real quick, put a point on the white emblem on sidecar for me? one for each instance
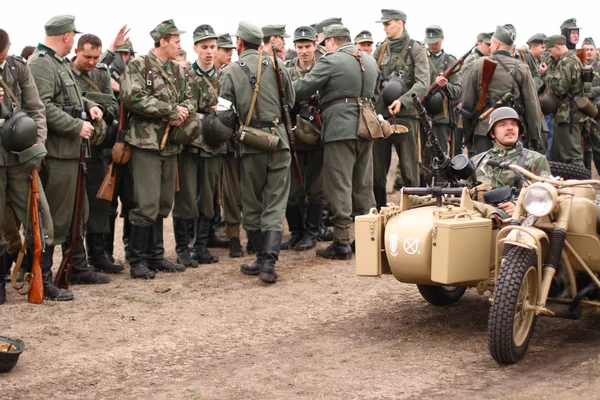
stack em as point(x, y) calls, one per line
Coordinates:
point(411, 245)
point(394, 245)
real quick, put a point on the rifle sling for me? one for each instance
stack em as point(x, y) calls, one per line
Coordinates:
point(89, 82)
point(382, 50)
point(21, 256)
point(512, 73)
point(254, 82)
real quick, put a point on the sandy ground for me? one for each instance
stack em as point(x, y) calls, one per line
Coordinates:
point(319, 333)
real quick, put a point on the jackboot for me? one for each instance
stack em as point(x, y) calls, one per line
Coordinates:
point(325, 235)
point(201, 253)
point(191, 230)
point(138, 239)
point(156, 260)
point(294, 214)
point(97, 257)
point(214, 241)
point(109, 239)
point(271, 255)
point(81, 271)
point(235, 248)
point(340, 248)
point(258, 242)
point(52, 292)
point(180, 229)
point(249, 247)
point(311, 227)
point(380, 194)
point(7, 262)
point(127, 228)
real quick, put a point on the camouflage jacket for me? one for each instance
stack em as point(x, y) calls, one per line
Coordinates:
point(205, 90)
point(235, 86)
point(438, 63)
point(15, 73)
point(593, 87)
point(95, 85)
point(152, 100)
point(400, 59)
point(520, 85)
point(57, 88)
point(525, 56)
point(498, 177)
point(563, 78)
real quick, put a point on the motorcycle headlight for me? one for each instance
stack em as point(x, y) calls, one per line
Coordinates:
point(539, 199)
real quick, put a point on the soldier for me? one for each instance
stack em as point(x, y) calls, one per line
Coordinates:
point(274, 36)
point(225, 49)
point(18, 92)
point(182, 60)
point(265, 173)
point(304, 227)
point(364, 42)
point(532, 55)
point(162, 114)
point(504, 130)
point(441, 105)
point(510, 78)
point(592, 89)
point(66, 111)
point(94, 80)
point(399, 57)
point(484, 39)
point(347, 160)
point(563, 80)
point(570, 31)
point(319, 27)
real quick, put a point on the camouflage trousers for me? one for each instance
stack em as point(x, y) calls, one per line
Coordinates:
point(154, 178)
point(348, 177)
point(232, 195)
point(14, 188)
point(265, 187)
point(566, 144)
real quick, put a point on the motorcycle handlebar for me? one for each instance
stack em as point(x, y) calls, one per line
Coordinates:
point(421, 191)
point(535, 178)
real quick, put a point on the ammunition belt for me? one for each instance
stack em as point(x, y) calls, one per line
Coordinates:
point(263, 124)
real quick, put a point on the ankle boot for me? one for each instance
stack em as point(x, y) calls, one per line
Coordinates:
point(81, 271)
point(136, 255)
point(311, 227)
point(271, 255)
point(52, 292)
point(201, 253)
point(97, 257)
point(156, 260)
point(109, 239)
point(294, 214)
point(180, 230)
point(258, 242)
point(340, 248)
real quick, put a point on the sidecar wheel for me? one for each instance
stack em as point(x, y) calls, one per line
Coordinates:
point(441, 295)
point(510, 323)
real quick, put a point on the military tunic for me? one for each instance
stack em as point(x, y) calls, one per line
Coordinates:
point(563, 78)
point(152, 101)
point(592, 142)
point(347, 162)
point(526, 56)
point(96, 86)
point(57, 88)
point(410, 62)
point(523, 91)
point(14, 183)
point(265, 176)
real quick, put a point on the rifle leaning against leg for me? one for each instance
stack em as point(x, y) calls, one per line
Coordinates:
point(64, 271)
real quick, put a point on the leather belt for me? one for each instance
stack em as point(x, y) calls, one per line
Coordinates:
point(347, 100)
point(263, 124)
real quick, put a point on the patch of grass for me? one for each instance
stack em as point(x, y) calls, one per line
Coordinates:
point(192, 394)
point(133, 299)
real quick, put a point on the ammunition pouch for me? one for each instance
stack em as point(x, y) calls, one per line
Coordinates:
point(586, 106)
point(587, 74)
point(306, 132)
point(368, 124)
point(257, 138)
point(75, 112)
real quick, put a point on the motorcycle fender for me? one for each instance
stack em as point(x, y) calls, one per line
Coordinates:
point(528, 239)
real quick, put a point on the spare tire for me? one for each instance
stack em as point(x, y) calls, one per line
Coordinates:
point(569, 171)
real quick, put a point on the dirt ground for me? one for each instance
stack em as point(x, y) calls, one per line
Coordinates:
point(319, 333)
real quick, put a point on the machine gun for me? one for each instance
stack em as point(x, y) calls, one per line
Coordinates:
point(445, 172)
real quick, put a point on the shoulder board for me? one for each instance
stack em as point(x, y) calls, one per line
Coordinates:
point(329, 53)
point(19, 58)
point(42, 53)
point(102, 66)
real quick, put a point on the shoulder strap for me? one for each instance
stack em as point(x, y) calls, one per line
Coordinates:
point(358, 57)
point(212, 87)
point(513, 73)
point(147, 71)
point(256, 86)
point(87, 80)
point(446, 61)
point(521, 163)
point(382, 51)
point(522, 55)
point(11, 68)
point(432, 65)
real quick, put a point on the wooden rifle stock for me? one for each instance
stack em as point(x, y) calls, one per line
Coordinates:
point(448, 73)
point(507, 97)
point(36, 288)
point(64, 271)
point(487, 73)
point(287, 118)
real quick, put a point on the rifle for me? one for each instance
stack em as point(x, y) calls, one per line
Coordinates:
point(447, 74)
point(487, 73)
point(287, 118)
point(64, 271)
point(506, 98)
point(36, 285)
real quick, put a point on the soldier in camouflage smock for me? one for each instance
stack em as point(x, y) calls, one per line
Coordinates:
point(504, 129)
point(563, 79)
point(592, 90)
point(94, 80)
point(158, 97)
